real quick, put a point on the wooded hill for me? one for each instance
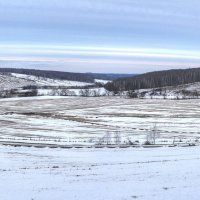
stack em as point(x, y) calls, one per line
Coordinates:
point(81, 77)
point(156, 79)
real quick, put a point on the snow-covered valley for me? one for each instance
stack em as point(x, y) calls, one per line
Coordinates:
point(73, 147)
point(23, 85)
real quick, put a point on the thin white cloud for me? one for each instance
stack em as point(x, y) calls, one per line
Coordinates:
point(100, 59)
point(54, 51)
point(106, 31)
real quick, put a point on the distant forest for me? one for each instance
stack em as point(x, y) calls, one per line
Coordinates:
point(156, 80)
point(82, 77)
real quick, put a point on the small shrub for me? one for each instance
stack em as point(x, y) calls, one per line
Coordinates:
point(147, 143)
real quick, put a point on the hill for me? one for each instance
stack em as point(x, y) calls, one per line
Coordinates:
point(70, 76)
point(156, 80)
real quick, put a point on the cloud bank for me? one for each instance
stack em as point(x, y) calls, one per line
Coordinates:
point(127, 36)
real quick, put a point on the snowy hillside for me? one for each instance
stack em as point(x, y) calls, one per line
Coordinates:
point(18, 85)
point(15, 81)
point(8, 82)
point(47, 81)
point(185, 91)
point(21, 83)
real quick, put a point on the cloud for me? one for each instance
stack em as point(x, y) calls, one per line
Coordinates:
point(115, 30)
point(101, 59)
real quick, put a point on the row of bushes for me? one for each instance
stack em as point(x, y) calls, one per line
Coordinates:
point(17, 93)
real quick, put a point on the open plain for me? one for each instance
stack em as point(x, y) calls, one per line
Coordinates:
point(85, 121)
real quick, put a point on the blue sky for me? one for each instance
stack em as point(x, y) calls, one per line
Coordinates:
point(120, 36)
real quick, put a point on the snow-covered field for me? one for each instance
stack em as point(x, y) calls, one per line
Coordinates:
point(85, 121)
point(29, 173)
point(99, 174)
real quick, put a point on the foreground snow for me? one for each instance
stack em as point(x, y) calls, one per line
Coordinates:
point(106, 174)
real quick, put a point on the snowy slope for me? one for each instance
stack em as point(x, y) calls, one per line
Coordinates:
point(49, 82)
point(191, 90)
point(8, 82)
point(16, 81)
point(53, 87)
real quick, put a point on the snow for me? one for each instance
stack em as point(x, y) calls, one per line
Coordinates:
point(119, 174)
point(101, 81)
point(17, 81)
point(86, 120)
point(72, 92)
point(49, 82)
point(29, 173)
point(173, 92)
point(8, 82)
point(92, 173)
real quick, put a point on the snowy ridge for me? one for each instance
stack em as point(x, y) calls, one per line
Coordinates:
point(49, 82)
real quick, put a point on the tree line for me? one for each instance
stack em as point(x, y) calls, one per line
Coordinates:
point(156, 79)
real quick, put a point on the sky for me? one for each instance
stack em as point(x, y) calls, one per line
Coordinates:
point(106, 36)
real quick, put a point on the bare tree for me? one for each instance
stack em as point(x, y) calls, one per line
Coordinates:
point(55, 92)
point(95, 93)
point(107, 138)
point(100, 141)
point(164, 93)
point(72, 93)
point(132, 94)
point(64, 92)
point(85, 92)
point(117, 137)
point(153, 134)
point(108, 93)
